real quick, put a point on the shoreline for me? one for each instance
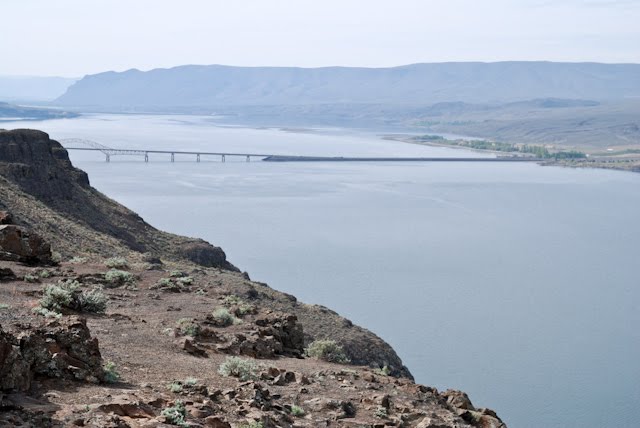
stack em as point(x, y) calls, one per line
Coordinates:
point(626, 165)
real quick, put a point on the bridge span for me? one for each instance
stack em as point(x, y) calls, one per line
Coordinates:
point(108, 152)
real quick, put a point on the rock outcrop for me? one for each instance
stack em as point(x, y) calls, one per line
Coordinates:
point(19, 244)
point(61, 349)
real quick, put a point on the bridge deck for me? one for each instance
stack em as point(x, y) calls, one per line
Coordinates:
point(288, 158)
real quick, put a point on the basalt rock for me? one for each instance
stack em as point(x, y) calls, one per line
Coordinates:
point(205, 254)
point(6, 274)
point(277, 334)
point(22, 245)
point(62, 349)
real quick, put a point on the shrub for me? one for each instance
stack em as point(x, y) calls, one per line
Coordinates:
point(177, 274)
point(175, 414)
point(111, 375)
point(381, 413)
point(66, 295)
point(45, 273)
point(223, 318)
point(175, 387)
point(232, 300)
point(297, 411)
point(58, 296)
point(184, 281)
point(31, 278)
point(384, 371)
point(4, 306)
point(188, 327)
point(117, 277)
point(117, 263)
point(245, 309)
point(92, 301)
point(190, 381)
point(78, 260)
point(252, 424)
point(46, 312)
point(327, 350)
point(238, 367)
point(56, 257)
point(164, 282)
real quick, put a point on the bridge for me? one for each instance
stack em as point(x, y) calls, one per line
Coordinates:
point(108, 152)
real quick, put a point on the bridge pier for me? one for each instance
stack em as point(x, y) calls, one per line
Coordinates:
point(108, 157)
point(198, 157)
point(223, 159)
point(248, 158)
point(146, 157)
point(173, 157)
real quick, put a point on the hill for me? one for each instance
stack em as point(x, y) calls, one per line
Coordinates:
point(33, 88)
point(423, 84)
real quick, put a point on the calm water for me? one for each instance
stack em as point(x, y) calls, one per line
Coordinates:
point(516, 283)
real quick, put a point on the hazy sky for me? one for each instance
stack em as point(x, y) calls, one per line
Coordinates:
point(77, 37)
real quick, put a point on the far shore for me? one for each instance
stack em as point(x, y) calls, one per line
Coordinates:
point(628, 163)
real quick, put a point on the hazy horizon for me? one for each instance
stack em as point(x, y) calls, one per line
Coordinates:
point(89, 38)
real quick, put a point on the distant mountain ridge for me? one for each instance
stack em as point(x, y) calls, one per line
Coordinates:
point(422, 84)
point(33, 88)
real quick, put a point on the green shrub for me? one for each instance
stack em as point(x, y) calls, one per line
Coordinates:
point(223, 318)
point(327, 350)
point(238, 367)
point(188, 327)
point(111, 375)
point(59, 296)
point(384, 371)
point(164, 282)
point(176, 414)
point(184, 281)
point(177, 274)
point(381, 412)
point(190, 381)
point(232, 300)
point(245, 309)
point(78, 260)
point(45, 274)
point(4, 306)
point(175, 387)
point(117, 263)
point(46, 312)
point(93, 301)
point(297, 411)
point(31, 278)
point(252, 424)
point(56, 257)
point(66, 295)
point(117, 278)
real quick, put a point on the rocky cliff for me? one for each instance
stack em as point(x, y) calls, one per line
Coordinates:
point(107, 322)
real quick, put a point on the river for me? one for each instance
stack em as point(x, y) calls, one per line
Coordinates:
point(516, 283)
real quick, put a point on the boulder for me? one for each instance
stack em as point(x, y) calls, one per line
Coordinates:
point(61, 349)
point(205, 254)
point(22, 245)
point(6, 274)
point(276, 334)
point(458, 399)
point(5, 217)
